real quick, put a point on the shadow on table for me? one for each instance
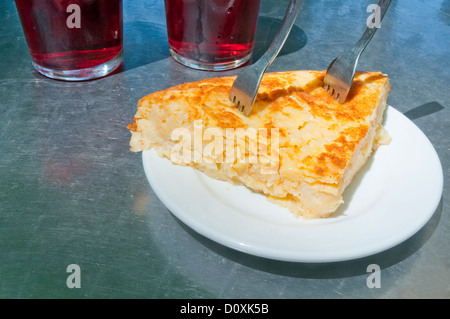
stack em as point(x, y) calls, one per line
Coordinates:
point(423, 110)
point(144, 43)
point(265, 33)
point(329, 270)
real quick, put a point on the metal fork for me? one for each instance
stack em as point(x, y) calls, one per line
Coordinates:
point(246, 85)
point(340, 72)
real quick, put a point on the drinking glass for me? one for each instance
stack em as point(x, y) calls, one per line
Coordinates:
point(211, 35)
point(73, 40)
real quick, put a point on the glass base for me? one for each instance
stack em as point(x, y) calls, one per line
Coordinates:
point(209, 66)
point(82, 74)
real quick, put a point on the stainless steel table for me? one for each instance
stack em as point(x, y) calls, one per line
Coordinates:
point(71, 192)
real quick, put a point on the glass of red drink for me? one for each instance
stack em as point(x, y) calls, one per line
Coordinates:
point(211, 35)
point(73, 40)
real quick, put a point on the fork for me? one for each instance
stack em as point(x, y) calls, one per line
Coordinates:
point(246, 85)
point(340, 73)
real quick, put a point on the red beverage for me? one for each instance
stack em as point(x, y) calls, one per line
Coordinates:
point(73, 39)
point(211, 34)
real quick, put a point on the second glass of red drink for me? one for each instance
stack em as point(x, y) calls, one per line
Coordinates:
point(211, 35)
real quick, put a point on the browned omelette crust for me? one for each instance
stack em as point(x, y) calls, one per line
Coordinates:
point(284, 98)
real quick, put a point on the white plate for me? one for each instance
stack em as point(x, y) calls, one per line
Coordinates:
point(391, 199)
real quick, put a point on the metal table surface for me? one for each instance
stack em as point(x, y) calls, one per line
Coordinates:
point(71, 192)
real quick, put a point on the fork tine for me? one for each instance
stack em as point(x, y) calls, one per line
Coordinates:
point(246, 84)
point(243, 92)
point(341, 71)
point(337, 84)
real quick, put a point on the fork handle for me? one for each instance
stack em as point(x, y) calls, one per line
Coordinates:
point(362, 43)
point(291, 15)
